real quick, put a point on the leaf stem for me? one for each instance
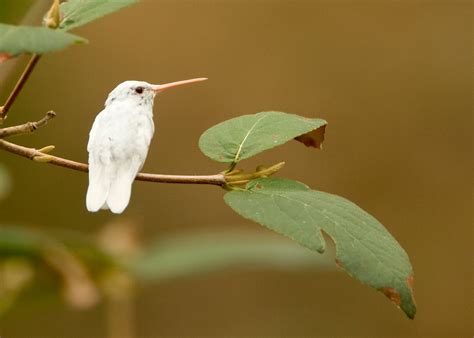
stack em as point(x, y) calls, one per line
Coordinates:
point(244, 178)
point(18, 87)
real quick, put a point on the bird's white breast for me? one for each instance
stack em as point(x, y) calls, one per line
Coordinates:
point(120, 131)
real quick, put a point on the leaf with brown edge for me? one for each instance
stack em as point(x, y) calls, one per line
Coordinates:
point(392, 294)
point(314, 138)
point(209, 251)
point(364, 248)
point(245, 136)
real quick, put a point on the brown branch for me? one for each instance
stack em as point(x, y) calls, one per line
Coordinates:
point(38, 156)
point(28, 127)
point(42, 156)
point(235, 177)
point(18, 87)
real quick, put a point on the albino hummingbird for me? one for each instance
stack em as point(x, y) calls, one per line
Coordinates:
point(119, 142)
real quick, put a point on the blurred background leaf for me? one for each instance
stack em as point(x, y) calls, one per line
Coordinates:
point(15, 275)
point(204, 252)
point(86, 267)
point(46, 252)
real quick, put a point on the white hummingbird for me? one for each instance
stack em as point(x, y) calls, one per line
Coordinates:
point(119, 141)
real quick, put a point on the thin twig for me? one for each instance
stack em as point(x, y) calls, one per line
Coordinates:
point(27, 127)
point(18, 87)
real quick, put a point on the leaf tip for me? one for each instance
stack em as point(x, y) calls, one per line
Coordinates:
point(406, 305)
point(79, 40)
point(412, 310)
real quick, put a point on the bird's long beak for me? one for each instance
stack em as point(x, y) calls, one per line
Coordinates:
point(163, 87)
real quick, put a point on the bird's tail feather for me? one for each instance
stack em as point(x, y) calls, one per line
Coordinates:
point(121, 187)
point(99, 185)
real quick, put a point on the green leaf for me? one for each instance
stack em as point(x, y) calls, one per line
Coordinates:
point(15, 40)
point(364, 248)
point(75, 13)
point(248, 135)
point(206, 252)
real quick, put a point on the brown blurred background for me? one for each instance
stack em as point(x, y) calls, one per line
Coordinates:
point(394, 81)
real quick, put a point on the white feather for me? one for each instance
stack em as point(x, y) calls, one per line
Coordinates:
point(118, 146)
point(121, 187)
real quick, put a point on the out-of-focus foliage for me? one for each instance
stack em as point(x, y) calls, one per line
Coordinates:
point(16, 275)
point(245, 136)
point(200, 253)
point(41, 252)
point(85, 269)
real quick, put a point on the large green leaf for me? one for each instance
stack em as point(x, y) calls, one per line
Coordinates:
point(15, 40)
point(248, 135)
point(75, 13)
point(364, 248)
point(205, 252)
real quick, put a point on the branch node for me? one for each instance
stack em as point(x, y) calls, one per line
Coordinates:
point(31, 126)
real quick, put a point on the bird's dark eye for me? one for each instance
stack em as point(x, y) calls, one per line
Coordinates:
point(139, 90)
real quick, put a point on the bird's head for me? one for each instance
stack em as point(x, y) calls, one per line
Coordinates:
point(141, 92)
